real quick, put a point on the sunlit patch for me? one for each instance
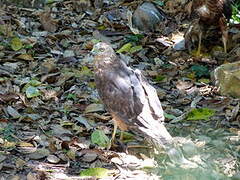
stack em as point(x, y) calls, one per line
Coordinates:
point(217, 48)
point(195, 53)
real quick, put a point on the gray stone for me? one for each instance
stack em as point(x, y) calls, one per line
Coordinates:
point(227, 78)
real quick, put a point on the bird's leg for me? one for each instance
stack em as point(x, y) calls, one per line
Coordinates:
point(121, 136)
point(115, 126)
point(114, 131)
point(199, 43)
point(224, 39)
point(224, 30)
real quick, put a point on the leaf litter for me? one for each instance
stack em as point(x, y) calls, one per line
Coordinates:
point(52, 123)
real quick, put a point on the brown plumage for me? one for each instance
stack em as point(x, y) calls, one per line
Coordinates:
point(128, 97)
point(206, 14)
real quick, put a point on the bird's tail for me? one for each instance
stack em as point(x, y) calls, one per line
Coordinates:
point(160, 138)
point(157, 134)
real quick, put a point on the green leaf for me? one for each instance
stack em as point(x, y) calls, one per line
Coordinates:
point(34, 82)
point(159, 2)
point(200, 114)
point(135, 49)
point(169, 116)
point(84, 72)
point(32, 91)
point(236, 12)
point(72, 96)
point(7, 132)
point(134, 38)
point(85, 122)
point(127, 137)
point(200, 71)
point(204, 80)
point(159, 78)
point(98, 137)
point(125, 48)
point(95, 41)
point(97, 172)
point(28, 46)
point(16, 44)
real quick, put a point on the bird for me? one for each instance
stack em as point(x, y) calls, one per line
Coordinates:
point(206, 14)
point(132, 102)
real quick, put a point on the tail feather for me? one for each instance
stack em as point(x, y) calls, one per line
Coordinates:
point(156, 133)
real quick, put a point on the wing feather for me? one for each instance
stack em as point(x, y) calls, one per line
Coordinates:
point(152, 97)
point(118, 93)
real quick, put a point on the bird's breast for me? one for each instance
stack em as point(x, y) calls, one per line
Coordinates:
point(203, 10)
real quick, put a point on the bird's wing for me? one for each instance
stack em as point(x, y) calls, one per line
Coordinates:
point(151, 118)
point(117, 91)
point(125, 92)
point(152, 97)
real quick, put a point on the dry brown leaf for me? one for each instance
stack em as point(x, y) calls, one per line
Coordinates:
point(47, 22)
point(8, 97)
point(31, 176)
point(26, 57)
point(71, 154)
point(20, 163)
point(81, 5)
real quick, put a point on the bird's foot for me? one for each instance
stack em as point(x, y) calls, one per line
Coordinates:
point(198, 54)
point(120, 146)
point(111, 144)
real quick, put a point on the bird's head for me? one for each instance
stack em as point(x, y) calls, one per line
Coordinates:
point(104, 55)
point(102, 49)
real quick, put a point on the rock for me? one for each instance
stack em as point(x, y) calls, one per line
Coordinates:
point(147, 17)
point(53, 159)
point(227, 78)
point(39, 154)
point(89, 157)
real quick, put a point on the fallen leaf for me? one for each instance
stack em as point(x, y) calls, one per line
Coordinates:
point(20, 163)
point(200, 71)
point(2, 157)
point(98, 137)
point(32, 91)
point(200, 114)
point(97, 172)
point(83, 121)
point(71, 154)
point(60, 132)
point(31, 176)
point(16, 44)
point(94, 108)
point(39, 154)
point(125, 48)
point(47, 22)
point(26, 57)
point(53, 159)
point(135, 49)
point(89, 157)
point(169, 116)
point(13, 112)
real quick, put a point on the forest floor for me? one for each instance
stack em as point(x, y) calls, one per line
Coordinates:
point(52, 122)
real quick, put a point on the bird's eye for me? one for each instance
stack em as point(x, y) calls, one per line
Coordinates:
point(101, 49)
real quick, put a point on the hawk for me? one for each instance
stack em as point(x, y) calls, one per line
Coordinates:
point(132, 102)
point(206, 14)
